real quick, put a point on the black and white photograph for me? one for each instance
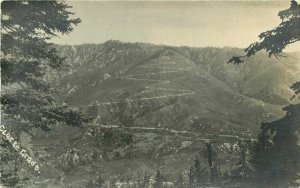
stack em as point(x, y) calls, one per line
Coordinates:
point(150, 94)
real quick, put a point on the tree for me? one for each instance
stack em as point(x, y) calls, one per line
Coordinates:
point(278, 164)
point(210, 162)
point(9, 169)
point(197, 175)
point(275, 155)
point(259, 158)
point(179, 183)
point(27, 56)
point(125, 110)
point(275, 40)
point(100, 182)
point(27, 99)
point(146, 181)
point(191, 177)
point(243, 172)
point(285, 153)
point(158, 180)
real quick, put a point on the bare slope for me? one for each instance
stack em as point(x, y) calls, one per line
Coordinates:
point(176, 87)
point(155, 107)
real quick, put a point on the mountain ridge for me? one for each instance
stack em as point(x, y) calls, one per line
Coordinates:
point(155, 107)
point(132, 65)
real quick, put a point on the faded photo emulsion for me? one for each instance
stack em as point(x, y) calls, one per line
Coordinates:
point(150, 94)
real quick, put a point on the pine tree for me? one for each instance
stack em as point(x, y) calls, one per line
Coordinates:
point(210, 162)
point(243, 172)
point(100, 182)
point(278, 165)
point(275, 40)
point(276, 154)
point(28, 101)
point(197, 175)
point(146, 181)
point(27, 98)
point(158, 180)
point(198, 172)
point(260, 158)
point(285, 153)
point(191, 176)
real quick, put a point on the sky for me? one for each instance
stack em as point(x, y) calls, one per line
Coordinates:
point(192, 23)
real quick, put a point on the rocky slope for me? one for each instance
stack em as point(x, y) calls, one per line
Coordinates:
point(155, 107)
point(181, 88)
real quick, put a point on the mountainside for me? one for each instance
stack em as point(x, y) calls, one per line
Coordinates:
point(156, 107)
point(181, 88)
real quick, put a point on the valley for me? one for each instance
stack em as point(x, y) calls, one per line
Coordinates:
point(155, 107)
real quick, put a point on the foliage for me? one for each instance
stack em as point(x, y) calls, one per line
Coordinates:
point(285, 153)
point(243, 171)
point(275, 156)
point(27, 98)
point(146, 181)
point(9, 171)
point(259, 158)
point(275, 40)
point(296, 88)
point(110, 137)
point(197, 174)
point(158, 180)
point(27, 56)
